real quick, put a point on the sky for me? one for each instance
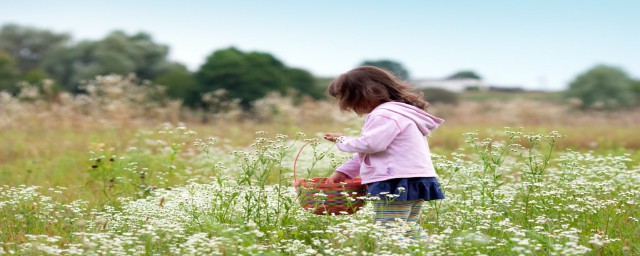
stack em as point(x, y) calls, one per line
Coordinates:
point(533, 44)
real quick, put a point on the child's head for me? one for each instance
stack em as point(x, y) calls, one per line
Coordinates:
point(364, 88)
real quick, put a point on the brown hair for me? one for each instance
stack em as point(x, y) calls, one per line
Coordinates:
point(364, 88)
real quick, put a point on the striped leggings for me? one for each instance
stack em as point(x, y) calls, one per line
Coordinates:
point(408, 211)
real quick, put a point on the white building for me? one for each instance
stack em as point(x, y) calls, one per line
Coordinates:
point(454, 85)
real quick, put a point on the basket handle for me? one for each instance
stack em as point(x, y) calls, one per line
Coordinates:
point(296, 161)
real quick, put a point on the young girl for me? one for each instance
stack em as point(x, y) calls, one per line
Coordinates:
point(391, 155)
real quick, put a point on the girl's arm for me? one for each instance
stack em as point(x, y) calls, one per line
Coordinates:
point(351, 167)
point(377, 134)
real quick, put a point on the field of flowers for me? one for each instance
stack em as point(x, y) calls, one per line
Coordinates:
point(510, 194)
point(94, 175)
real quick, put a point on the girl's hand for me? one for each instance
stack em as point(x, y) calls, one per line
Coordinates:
point(337, 177)
point(332, 136)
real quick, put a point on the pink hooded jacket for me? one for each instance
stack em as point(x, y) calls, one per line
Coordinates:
point(392, 144)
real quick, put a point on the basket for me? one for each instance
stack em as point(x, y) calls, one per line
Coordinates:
point(321, 198)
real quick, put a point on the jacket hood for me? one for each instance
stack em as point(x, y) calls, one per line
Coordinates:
point(425, 121)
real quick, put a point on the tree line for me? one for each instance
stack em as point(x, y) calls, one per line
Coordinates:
point(32, 54)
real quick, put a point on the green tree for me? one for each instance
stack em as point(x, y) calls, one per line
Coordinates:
point(305, 84)
point(389, 65)
point(249, 76)
point(180, 84)
point(465, 74)
point(30, 47)
point(8, 73)
point(117, 53)
point(603, 86)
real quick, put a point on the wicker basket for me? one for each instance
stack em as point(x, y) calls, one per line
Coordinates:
point(322, 198)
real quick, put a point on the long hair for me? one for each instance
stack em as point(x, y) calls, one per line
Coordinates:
point(364, 88)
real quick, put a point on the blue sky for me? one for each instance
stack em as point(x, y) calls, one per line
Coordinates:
point(536, 44)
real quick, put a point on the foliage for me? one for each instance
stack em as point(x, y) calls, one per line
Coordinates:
point(601, 87)
point(249, 76)
point(393, 66)
point(30, 47)
point(117, 53)
point(180, 84)
point(305, 84)
point(439, 95)
point(8, 73)
point(465, 74)
point(246, 76)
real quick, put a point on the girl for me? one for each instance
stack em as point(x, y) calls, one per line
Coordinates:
point(391, 155)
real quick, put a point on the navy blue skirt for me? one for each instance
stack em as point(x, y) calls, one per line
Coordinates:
point(425, 188)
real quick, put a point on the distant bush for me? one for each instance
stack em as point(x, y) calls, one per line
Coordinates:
point(465, 74)
point(438, 95)
point(602, 87)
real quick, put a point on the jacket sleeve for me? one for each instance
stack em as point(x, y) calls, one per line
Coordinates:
point(351, 167)
point(377, 134)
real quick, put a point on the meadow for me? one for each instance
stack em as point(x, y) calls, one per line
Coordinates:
point(116, 172)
